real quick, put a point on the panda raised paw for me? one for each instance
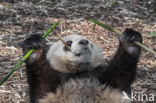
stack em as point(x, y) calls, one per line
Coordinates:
point(35, 41)
point(128, 39)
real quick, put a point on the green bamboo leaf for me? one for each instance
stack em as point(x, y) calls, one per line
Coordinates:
point(116, 31)
point(94, 26)
point(152, 34)
point(105, 26)
point(21, 61)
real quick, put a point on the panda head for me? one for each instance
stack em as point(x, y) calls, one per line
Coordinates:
point(84, 55)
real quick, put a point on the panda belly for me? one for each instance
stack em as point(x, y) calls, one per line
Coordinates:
point(85, 91)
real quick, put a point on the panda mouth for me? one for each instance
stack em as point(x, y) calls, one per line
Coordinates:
point(78, 54)
point(84, 51)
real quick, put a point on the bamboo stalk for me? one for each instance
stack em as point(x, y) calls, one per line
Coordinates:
point(116, 31)
point(20, 62)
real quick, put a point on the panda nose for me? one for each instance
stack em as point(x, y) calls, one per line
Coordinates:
point(83, 42)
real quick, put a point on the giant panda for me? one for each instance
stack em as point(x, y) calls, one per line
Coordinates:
point(57, 74)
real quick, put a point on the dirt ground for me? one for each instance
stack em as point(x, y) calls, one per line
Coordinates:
point(21, 18)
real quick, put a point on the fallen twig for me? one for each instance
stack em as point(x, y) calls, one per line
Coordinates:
point(63, 42)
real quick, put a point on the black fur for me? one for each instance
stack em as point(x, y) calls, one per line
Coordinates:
point(120, 73)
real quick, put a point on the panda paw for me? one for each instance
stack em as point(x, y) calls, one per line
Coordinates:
point(35, 41)
point(128, 39)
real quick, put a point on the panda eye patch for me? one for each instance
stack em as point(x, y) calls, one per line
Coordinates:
point(69, 43)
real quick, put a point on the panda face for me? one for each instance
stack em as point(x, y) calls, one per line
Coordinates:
point(81, 49)
point(83, 55)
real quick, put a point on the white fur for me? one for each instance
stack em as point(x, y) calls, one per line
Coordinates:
point(65, 61)
point(85, 91)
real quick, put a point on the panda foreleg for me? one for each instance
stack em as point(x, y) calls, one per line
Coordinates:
point(36, 67)
point(122, 68)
